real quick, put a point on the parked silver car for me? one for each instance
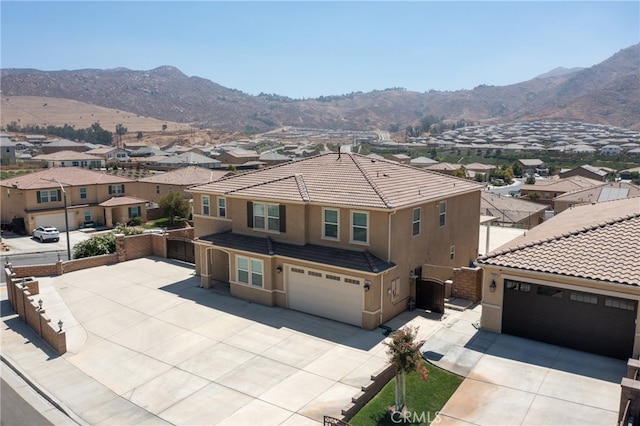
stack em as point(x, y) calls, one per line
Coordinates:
point(45, 233)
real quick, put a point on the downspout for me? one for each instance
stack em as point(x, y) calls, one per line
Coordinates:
point(385, 273)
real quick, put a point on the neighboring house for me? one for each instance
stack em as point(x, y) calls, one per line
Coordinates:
point(586, 171)
point(272, 158)
point(189, 159)
point(111, 154)
point(445, 168)
point(572, 281)
point(238, 157)
point(71, 159)
point(153, 188)
point(38, 198)
point(62, 145)
point(552, 188)
point(422, 162)
point(512, 211)
point(478, 168)
point(338, 235)
point(534, 166)
point(147, 152)
point(8, 150)
point(597, 194)
point(611, 150)
point(400, 158)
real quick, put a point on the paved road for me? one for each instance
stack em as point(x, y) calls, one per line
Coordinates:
point(16, 411)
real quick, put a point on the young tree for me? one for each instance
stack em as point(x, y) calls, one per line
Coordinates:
point(404, 354)
point(174, 205)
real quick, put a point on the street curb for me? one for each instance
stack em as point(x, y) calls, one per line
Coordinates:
point(49, 398)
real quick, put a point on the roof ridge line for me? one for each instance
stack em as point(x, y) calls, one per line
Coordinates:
point(366, 176)
point(562, 235)
point(255, 185)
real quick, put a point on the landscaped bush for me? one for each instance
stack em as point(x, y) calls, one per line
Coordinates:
point(102, 244)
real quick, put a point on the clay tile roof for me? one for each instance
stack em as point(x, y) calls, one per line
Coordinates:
point(121, 201)
point(187, 176)
point(66, 155)
point(594, 241)
point(342, 179)
point(68, 176)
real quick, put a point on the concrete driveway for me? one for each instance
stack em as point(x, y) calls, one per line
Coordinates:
point(146, 344)
point(517, 381)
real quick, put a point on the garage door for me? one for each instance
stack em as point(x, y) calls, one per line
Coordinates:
point(325, 294)
point(585, 321)
point(55, 220)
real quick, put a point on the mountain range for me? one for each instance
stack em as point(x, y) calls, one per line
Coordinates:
point(606, 93)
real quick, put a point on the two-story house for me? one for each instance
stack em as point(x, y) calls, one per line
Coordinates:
point(91, 197)
point(338, 235)
point(71, 159)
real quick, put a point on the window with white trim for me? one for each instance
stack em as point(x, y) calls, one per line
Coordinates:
point(134, 212)
point(415, 222)
point(157, 189)
point(48, 196)
point(83, 193)
point(395, 289)
point(360, 227)
point(452, 252)
point(205, 205)
point(266, 216)
point(330, 223)
point(116, 189)
point(222, 207)
point(249, 271)
point(442, 213)
point(87, 215)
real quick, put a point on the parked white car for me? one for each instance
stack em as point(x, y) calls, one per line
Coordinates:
point(45, 233)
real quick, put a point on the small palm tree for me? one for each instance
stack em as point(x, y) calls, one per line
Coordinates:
point(404, 354)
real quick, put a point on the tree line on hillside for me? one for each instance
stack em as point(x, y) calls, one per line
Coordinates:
point(94, 134)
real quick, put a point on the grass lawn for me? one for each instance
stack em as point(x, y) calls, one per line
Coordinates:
point(424, 399)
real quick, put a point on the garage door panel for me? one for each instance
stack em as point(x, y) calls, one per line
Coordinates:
point(318, 295)
point(54, 219)
point(583, 323)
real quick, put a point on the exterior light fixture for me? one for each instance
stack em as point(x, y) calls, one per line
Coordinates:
point(492, 286)
point(39, 304)
point(367, 285)
point(278, 269)
point(60, 326)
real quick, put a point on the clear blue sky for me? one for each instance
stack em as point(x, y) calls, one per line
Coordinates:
point(307, 49)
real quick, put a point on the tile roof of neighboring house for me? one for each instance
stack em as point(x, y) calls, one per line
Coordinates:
point(561, 185)
point(594, 170)
point(423, 161)
point(187, 158)
point(63, 142)
point(531, 162)
point(444, 166)
point(121, 201)
point(339, 257)
point(187, 176)
point(240, 153)
point(105, 150)
point(273, 156)
point(592, 241)
point(343, 179)
point(604, 192)
point(66, 155)
point(479, 167)
point(72, 176)
point(508, 209)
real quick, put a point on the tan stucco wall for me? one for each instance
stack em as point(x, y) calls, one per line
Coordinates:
point(147, 191)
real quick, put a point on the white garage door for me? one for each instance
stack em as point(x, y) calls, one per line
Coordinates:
point(325, 294)
point(55, 220)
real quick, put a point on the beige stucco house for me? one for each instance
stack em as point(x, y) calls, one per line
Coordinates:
point(38, 198)
point(573, 281)
point(337, 235)
point(153, 188)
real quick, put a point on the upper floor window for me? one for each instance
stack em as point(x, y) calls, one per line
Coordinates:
point(116, 189)
point(330, 223)
point(268, 217)
point(360, 227)
point(83, 193)
point(442, 213)
point(48, 196)
point(415, 223)
point(249, 271)
point(452, 252)
point(157, 189)
point(222, 207)
point(205, 205)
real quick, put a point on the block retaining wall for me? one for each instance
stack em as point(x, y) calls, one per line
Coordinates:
point(378, 380)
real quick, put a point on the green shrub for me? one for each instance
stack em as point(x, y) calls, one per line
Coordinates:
point(97, 245)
